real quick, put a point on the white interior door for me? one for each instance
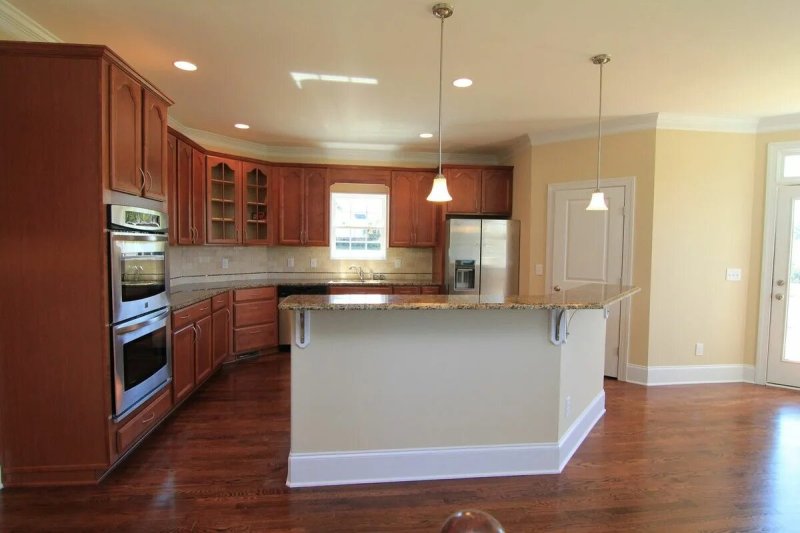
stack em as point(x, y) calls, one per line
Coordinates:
point(588, 248)
point(783, 359)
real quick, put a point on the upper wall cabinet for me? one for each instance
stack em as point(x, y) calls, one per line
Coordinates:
point(224, 193)
point(256, 204)
point(189, 201)
point(302, 206)
point(138, 155)
point(412, 219)
point(480, 191)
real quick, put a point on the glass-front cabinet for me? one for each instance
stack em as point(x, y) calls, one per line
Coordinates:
point(224, 200)
point(257, 227)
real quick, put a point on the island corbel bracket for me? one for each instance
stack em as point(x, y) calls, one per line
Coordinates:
point(302, 328)
point(558, 326)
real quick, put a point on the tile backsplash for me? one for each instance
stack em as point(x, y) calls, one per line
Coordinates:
point(194, 263)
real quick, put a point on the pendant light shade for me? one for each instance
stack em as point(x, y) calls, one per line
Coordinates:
point(439, 192)
point(598, 202)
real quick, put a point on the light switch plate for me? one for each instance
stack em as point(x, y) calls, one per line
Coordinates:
point(398, 263)
point(225, 262)
point(290, 262)
point(313, 262)
point(539, 269)
point(733, 274)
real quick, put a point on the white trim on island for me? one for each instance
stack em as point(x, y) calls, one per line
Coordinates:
point(387, 466)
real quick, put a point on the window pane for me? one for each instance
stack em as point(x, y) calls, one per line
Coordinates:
point(791, 166)
point(358, 225)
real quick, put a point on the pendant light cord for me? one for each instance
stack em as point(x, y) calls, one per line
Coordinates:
point(599, 126)
point(441, 60)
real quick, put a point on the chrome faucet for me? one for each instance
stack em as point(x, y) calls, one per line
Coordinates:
point(360, 272)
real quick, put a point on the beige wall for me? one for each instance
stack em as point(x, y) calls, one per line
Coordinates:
point(702, 224)
point(624, 155)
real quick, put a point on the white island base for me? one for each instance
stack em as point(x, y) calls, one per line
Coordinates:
point(416, 394)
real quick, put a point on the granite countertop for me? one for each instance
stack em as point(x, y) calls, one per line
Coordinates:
point(590, 296)
point(188, 294)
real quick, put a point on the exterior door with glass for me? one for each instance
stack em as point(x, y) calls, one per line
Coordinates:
point(783, 360)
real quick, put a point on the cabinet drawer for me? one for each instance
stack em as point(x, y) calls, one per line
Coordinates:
point(360, 290)
point(190, 314)
point(405, 289)
point(429, 289)
point(144, 421)
point(252, 313)
point(220, 300)
point(259, 293)
point(254, 338)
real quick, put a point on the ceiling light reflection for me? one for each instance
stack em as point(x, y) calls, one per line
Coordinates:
point(300, 77)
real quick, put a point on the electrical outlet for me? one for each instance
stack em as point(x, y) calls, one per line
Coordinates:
point(290, 262)
point(699, 348)
point(733, 274)
point(567, 406)
point(313, 262)
point(398, 263)
point(225, 262)
point(539, 270)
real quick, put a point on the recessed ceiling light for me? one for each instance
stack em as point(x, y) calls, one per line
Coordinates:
point(242, 126)
point(426, 135)
point(462, 82)
point(185, 65)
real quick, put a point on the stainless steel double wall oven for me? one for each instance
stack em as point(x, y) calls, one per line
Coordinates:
point(140, 327)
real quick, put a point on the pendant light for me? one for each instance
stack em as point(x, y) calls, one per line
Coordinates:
point(439, 191)
point(598, 202)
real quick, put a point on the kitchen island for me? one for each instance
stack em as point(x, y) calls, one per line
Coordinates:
point(398, 388)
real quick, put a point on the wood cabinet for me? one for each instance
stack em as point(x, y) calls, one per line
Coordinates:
point(464, 185)
point(361, 289)
point(192, 343)
point(429, 289)
point(255, 313)
point(221, 326)
point(190, 181)
point(224, 194)
point(257, 204)
point(144, 421)
point(480, 191)
point(302, 206)
point(172, 188)
point(406, 289)
point(137, 137)
point(412, 219)
point(496, 185)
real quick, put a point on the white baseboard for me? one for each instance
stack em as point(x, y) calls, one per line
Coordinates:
point(385, 466)
point(690, 374)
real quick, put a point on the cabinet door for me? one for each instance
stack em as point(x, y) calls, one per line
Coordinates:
point(125, 133)
point(184, 342)
point(316, 206)
point(198, 196)
point(496, 187)
point(401, 208)
point(154, 141)
point(172, 188)
point(291, 203)
point(221, 335)
point(224, 200)
point(464, 185)
point(256, 204)
point(183, 195)
point(203, 362)
point(426, 216)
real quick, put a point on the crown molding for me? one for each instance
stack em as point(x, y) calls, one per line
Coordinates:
point(21, 27)
point(675, 121)
point(779, 123)
point(344, 152)
point(586, 131)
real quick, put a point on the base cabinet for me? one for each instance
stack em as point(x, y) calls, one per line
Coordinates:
point(221, 328)
point(255, 314)
point(144, 421)
point(192, 342)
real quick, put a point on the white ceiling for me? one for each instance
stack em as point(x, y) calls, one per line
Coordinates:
point(529, 60)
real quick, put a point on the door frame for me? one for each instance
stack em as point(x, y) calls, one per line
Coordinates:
point(629, 184)
point(773, 180)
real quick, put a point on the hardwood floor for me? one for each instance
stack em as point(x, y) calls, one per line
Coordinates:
point(683, 458)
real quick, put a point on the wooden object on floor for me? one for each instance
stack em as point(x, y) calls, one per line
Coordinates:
point(255, 319)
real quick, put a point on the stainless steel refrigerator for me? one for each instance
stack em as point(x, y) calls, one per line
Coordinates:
point(482, 256)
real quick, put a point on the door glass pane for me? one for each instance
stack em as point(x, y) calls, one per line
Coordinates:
point(791, 346)
point(791, 166)
point(143, 269)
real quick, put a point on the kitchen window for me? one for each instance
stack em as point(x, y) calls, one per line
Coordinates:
point(359, 215)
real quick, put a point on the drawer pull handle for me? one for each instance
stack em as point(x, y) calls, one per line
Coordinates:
point(184, 316)
point(149, 419)
point(203, 308)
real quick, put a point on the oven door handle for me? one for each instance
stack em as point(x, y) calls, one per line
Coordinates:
point(139, 325)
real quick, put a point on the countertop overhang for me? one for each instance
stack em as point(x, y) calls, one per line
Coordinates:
point(590, 296)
